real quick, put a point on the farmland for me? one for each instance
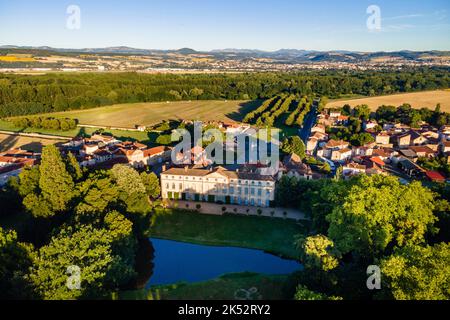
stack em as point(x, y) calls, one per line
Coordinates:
point(427, 99)
point(27, 143)
point(130, 115)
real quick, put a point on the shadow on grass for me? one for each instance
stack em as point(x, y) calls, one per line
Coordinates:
point(244, 108)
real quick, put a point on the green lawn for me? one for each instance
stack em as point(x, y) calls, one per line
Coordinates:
point(144, 137)
point(132, 114)
point(273, 235)
point(227, 287)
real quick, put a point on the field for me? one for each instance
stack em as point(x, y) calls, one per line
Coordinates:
point(27, 143)
point(130, 115)
point(427, 99)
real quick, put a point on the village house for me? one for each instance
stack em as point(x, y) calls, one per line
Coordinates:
point(332, 145)
point(352, 168)
point(444, 146)
point(423, 151)
point(382, 138)
point(341, 155)
point(410, 168)
point(318, 128)
point(417, 139)
point(369, 125)
point(218, 185)
point(444, 132)
point(342, 120)
point(13, 161)
point(335, 113)
point(294, 167)
point(434, 176)
point(403, 140)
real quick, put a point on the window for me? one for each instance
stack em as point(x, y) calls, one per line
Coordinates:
point(239, 190)
point(246, 191)
point(259, 192)
point(252, 191)
point(231, 189)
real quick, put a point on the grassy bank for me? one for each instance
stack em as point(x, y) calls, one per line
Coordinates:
point(227, 287)
point(273, 235)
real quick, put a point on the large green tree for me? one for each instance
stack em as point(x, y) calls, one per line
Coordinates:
point(378, 213)
point(55, 189)
point(318, 252)
point(83, 256)
point(418, 273)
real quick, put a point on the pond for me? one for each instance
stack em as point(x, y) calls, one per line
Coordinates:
point(175, 261)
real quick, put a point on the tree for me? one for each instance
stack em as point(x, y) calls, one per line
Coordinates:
point(15, 260)
point(418, 273)
point(55, 182)
point(87, 250)
point(55, 189)
point(73, 167)
point(128, 179)
point(151, 183)
point(133, 191)
point(60, 103)
point(375, 213)
point(97, 193)
point(294, 145)
point(362, 112)
point(303, 293)
point(318, 252)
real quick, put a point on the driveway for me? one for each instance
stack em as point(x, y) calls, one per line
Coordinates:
point(217, 209)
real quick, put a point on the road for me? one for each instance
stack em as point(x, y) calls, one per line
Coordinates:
point(310, 121)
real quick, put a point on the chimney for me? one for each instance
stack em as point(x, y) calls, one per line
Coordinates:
point(163, 168)
point(237, 170)
point(185, 168)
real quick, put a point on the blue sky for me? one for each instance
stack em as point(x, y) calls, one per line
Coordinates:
point(212, 24)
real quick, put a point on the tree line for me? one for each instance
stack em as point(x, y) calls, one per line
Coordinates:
point(91, 222)
point(26, 94)
point(58, 124)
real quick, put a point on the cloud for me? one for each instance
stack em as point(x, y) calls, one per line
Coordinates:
point(406, 16)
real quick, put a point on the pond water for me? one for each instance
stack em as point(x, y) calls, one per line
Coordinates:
point(175, 261)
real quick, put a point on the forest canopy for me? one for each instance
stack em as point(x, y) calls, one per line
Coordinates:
point(33, 94)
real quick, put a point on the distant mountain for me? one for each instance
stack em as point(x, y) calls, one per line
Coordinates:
point(282, 55)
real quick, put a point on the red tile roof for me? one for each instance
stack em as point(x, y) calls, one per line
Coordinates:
point(435, 176)
point(378, 161)
point(156, 150)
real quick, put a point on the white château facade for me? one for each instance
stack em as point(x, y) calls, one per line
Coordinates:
point(218, 185)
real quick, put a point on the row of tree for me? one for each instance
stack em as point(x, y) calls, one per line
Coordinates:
point(25, 94)
point(45, 123)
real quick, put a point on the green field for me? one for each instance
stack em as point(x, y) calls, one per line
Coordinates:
point(144, 137)
point(227, 287)
point(273, 235)
point(132, 114)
